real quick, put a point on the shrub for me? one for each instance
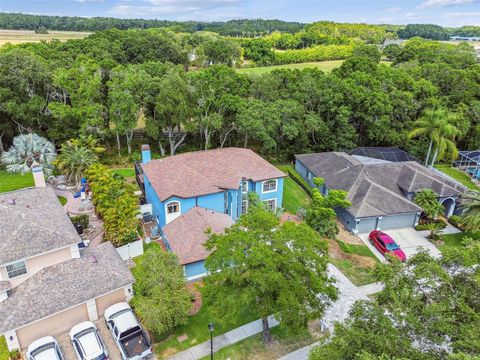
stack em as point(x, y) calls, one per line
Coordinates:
point(82, 220)
point(300, 181)
point(456, 221)
point(15, 355)
point(426, 224)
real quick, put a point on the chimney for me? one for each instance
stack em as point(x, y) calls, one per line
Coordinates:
point(146, 155)
point(38, 177)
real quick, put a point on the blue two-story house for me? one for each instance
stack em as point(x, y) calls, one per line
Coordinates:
point(217, 180)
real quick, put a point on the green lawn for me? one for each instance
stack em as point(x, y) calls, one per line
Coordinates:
point(325, 66)
point(126, 172)
point(62, 199)
point(358, 275)
point(10, 182)
point(196, 329)
point(359, 249)
point(458, 175)
point(3, 349)
point(253, 347)
point(294, 197)
point(455, 240)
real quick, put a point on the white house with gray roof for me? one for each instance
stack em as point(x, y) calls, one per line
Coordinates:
point(381, 192)
point(47, 284)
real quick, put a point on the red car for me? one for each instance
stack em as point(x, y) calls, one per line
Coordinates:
point(386, 245)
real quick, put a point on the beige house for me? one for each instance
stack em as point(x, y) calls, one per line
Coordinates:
point(47, 284)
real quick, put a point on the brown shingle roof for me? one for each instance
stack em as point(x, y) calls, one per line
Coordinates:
point(55, 288)
point(206, 172)
point(32, 221)
point(186, 234)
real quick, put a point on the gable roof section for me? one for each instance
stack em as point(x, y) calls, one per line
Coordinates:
point(53, 289)
point(32, 221)
point(206, 172)
point(186, 234)
point(377, 188)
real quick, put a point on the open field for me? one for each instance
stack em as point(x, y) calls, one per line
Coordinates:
point(24, 36)
point(325, 66)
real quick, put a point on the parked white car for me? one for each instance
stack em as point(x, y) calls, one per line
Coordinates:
point(45, 348)
point(127, 332)
point(87, 342)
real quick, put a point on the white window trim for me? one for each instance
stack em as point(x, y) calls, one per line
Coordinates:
point(241, 184)
point(274, 199)
point(270, 191)
point(12, 263)
point(172, 216)
point(246, 206)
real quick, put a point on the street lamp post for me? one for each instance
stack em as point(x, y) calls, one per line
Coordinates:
point(211, 328)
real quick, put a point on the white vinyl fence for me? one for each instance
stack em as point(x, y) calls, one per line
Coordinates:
point(131, 250)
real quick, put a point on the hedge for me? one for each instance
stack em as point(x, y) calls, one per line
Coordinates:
point(315, 53)
point(422, 227)
point(300, 181)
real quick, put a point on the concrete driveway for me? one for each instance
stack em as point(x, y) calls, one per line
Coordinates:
point(69, 353)
point(409, 240)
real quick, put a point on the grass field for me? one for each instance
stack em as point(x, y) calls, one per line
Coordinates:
point(10, 182)
point(23, 36)
point(325, 66)
point(458, 175)
point(3, 349)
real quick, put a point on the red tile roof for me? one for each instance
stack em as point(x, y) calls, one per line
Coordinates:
point(206, 172)
point(186, 234)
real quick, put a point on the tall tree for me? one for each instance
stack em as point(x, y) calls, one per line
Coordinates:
point(248, 267)
point(161, 299)
point(171, 116)
point(439, 126)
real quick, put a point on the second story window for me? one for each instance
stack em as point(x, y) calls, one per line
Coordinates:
point(173, 207)
point(16, 269)
point(269, 186)
point(244, 186)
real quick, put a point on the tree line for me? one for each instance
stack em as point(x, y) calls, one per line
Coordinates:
point(52, 90)
point(241, 27)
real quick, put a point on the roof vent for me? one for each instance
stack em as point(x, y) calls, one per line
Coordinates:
point(11, 201)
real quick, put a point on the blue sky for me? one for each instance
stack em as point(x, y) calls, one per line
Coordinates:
point(442, 12)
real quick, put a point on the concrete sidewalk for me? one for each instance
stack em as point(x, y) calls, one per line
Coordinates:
point(221, 341)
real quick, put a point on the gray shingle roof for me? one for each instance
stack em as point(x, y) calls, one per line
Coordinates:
point(32, 221)
point(377, 189)
point(58, 287)
point(186, 234)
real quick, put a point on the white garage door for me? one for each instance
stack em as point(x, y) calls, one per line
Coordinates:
point(397, 221)
point(366, 225)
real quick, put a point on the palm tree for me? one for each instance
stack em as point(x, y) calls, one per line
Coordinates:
point(471, 215)
point(76, 156)
point(439, 126)
point(427, 199)
point(27, 151)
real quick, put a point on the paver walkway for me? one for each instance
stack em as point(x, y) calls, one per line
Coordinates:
point(338, 311)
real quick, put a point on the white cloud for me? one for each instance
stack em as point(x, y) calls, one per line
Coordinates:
point(443, 3)
point(457, 15)
point(168, 7)
point(84, 1)
point(393, 10)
